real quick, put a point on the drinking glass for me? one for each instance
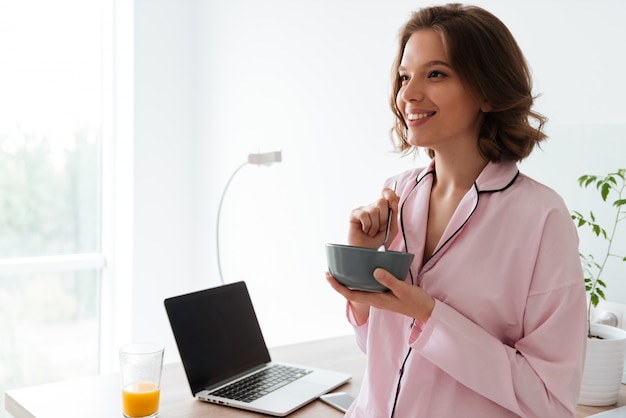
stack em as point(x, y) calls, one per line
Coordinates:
point(141, 366)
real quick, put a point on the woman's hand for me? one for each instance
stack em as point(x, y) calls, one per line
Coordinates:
point(368, 224)
point(403, 298)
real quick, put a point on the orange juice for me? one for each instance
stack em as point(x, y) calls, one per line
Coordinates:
point(140, 399)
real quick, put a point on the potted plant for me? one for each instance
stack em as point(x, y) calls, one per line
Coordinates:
point(606, 345)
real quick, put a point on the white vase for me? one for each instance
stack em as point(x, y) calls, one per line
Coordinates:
point(604, 364)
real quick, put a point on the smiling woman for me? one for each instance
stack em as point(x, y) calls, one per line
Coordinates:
point(489, 313)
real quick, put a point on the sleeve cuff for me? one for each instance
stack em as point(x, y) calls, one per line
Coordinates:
point(351, 318)
point(419, 326)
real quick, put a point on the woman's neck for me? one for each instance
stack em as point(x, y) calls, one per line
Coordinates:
point(457, 172)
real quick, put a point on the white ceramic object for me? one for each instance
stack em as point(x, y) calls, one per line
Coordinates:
point(604, 364)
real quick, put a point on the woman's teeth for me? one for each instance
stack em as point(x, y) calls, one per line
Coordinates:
point(418, 116)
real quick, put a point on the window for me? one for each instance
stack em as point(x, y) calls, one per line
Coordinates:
point(53, 85)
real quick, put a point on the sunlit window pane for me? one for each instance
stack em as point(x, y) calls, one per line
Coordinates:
point(49, 328)
point(49, 202)
point(51, 81)
point(50, 124)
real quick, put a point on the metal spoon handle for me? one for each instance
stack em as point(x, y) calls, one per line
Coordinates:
point(395, 183)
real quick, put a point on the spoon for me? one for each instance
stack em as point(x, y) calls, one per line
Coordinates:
point(382, 247)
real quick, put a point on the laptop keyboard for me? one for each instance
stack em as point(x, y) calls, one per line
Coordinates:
point(261, 383)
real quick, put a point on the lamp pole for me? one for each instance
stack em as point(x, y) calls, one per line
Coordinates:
point(267, 158)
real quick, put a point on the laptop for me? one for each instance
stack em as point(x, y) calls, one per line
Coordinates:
point(227, 361)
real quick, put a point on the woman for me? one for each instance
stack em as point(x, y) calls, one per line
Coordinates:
point(490, 321)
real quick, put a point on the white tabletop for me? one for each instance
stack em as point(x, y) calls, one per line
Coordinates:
point(100, 396)
point(72, 398)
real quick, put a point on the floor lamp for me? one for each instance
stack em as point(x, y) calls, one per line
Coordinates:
point(267, 158)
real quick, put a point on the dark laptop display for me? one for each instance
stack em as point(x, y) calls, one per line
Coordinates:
point(201, 318)
point(227, 361)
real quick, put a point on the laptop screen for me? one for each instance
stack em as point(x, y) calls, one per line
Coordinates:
point(217, 334)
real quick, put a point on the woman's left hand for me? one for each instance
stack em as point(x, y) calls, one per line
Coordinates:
point(402, 297)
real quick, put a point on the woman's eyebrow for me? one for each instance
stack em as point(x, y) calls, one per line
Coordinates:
point(429, 64)
point(437, 63)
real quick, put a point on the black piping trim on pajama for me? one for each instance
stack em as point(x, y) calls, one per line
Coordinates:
point(406, 249)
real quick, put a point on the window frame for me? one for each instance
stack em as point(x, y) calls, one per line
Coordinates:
point(117, 180)
point(114, 261)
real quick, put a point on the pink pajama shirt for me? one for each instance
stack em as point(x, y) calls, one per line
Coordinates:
point(507, 336)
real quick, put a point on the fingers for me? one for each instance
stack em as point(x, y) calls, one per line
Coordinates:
point(368, 224)
point(336, 285)
point(373, 218)
point(350, 295)
point(356, 295)
point(368, 218)
point(392, 199)
point(403, 297)
point(385, 278)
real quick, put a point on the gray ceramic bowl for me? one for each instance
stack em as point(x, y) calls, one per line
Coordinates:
point(354, 266)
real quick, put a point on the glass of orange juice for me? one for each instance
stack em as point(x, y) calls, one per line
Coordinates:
point(141, 366)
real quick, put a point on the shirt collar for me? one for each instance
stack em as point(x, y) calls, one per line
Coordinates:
point(495, 177)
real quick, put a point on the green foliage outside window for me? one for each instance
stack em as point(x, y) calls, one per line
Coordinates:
point(49, 195)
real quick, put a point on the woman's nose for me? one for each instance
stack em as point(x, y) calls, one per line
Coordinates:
point(412, 91)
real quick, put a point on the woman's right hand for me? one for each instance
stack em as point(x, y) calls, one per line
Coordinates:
point(368, 224)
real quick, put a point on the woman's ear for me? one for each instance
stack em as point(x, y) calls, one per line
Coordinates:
point(485, 106)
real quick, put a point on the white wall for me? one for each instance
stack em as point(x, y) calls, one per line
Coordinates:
point(310, 79)
point(166, 166)
point(218, 80)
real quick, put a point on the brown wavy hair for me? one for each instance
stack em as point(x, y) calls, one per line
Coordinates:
point(487, 58)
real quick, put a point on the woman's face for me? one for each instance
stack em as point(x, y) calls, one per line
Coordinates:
point(441, 113)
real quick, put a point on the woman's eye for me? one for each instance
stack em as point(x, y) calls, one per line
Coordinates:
point(436, 74)
point(403, 78)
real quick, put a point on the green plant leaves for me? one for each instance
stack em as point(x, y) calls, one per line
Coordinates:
point(619, 202)
point(580, 221)
point(611, 183)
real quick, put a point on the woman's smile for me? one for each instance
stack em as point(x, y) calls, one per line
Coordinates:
point(415, 117)
point(412, 116)
point(439, 110)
